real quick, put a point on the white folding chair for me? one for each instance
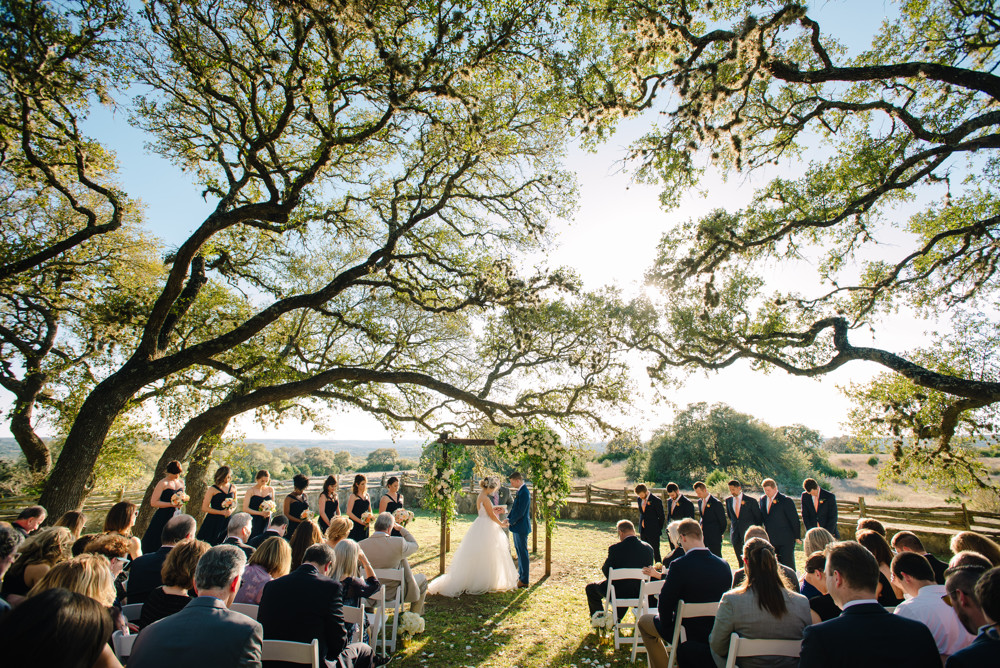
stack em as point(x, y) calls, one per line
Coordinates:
point(292, 652)
point(248, 609)
point(123, 645)
point(376, 619)
point(356, 616)
point(132, 611)
point(614, 602)
point(396, 605)
point(740, 647)
point(687, 611)
point(650, 588)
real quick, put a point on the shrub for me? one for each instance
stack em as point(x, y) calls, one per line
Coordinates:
point(873, 461)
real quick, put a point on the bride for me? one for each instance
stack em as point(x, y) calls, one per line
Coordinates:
point(482, 562)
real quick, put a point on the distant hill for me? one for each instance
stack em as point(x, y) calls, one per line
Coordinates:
point(409, 448)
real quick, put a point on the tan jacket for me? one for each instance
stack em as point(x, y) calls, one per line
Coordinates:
point(390, 552)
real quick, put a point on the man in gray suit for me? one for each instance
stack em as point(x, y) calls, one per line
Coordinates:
point(385, 551)
point(205, 632)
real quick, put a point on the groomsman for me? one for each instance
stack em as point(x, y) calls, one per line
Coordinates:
point(651, 518)
point(819, 508)
point(679, 506)
point(743, 513)
point(781, 522)
point(713, 518)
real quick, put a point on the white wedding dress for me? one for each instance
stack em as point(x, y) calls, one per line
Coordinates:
point(482, 562)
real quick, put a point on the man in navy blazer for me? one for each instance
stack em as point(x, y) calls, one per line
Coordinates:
point(974, 592)
point(519, 520)
point(307, 604)
point(819, 507)
point(713, 518)
point(743, 513)
point(651, 518)
point(144, 572)
point(865, 635)
point(697, 577)
point(781, 521)
point(628, 552)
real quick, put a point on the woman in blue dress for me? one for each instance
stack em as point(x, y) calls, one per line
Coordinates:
point(166, 499)
point(218, 504)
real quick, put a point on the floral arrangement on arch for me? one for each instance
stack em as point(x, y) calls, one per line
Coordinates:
point(546, 459)
point(444, 481)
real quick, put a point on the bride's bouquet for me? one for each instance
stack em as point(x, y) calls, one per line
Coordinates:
point(268, 507)
point(179, 499)
point(403, 516)
point(602, 621)
point(410, 623)
point(367, 518)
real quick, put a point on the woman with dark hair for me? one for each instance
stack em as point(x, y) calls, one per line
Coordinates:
point(168, 496)
point(306, 535)
point(764, 606)
point(328, 504)
point(35, 557)
point(58, 628)
point(254, 497)
point(358, 504)
point(218, 504)
point(887, 594)
point(177, 574)
point(73, 520)
point(120, 520)
point(296, 504)
point(391, 500)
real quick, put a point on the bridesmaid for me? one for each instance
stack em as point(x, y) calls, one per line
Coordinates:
point(392, 500)
point(296, 504)
point(120, 520)
point(328, 504)
point(217, 511)
point(162, 500)
point(256, 495)
point(358, 504)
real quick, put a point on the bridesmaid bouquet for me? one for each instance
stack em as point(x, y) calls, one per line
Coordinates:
point(403, 516)
point(179, 499)
point(228, 503)
point(268, 507)
point(307, 515)
point(367, 517)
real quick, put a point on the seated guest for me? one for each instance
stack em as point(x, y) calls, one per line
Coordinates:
point(276, 527)
point(888, 594)
point(864, 635)
point(907, 541)
point(238, 532)
point(925, 605)
point(628, 552)
point(306, 535)
point(29, 519)
point(177, 576)
point(385, 551)
point(88, 574)
point(867, 523)
point(115, 549)
point(57, 628)
point(144, 574)
point(969, 558)
point(974, 593)
point(764, 607)
point(816, 540)
point(678, 552)
point(821, 605)
point(697, 577)
point(205, 632)
point(272, 560)
point(339, 527)
point(348, 555)
point(761, 532)
point(970, 540)
point(81, 543)
point(10, 539)
point(815, 564)
point(307, 604)
point(120, 520)
point(73, 520)
point(43, 550)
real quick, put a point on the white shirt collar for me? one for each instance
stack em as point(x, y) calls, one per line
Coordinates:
point(859, 601)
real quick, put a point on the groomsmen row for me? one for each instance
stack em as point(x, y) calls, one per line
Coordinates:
point(773, 510)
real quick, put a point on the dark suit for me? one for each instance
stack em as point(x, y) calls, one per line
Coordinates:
point(304, 605)
point(144, 575)
point(697, 577)
point(867, 636)
point(247, 550)
point(713, 523)
point(984, 651)
point(651, 522)
point(938, 566)
point(825, 517)
point(749, 516)
point(680, 509)
point(204, 633)
point(260, 538)
point(783, 528)
point(627, 553)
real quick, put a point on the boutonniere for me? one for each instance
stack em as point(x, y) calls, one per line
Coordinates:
point(822, 500)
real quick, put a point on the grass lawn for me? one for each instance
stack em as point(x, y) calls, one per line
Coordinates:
point(544, 625)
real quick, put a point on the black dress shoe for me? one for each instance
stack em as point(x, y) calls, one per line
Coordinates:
point(381, 659)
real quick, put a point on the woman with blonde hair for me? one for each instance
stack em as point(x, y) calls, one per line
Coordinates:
point(114, 548)
point(120, 520)
point(340, 526)
point(816, 540)
point(272, 560)
point(36, 556)
point(73, 520)
point(306, 535)
point(88, 574)
point(177, 575)
point(345, 572)
point(975, 542)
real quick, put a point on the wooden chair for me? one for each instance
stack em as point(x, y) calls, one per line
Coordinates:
point(614, 602)
point(740, 647)
point(123, 645)
point(248, 609)
point(395, 604)
point(687, 611)
point(292, 652)
point(132, 611)
point(651, 588)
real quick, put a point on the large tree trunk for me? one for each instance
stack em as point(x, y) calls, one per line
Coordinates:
point(199, 469)
point(36, 453)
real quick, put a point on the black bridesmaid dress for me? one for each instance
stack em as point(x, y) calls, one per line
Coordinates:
point(330, 508)
point(260, 522)
point(213, 527)
point(360, 531)
point(295, 510)
point(392, 507)
point(151, 539)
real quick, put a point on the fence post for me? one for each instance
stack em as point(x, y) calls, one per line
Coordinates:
point(965, 517)
point(625, 495)
point(861, 506)
point(588, 492)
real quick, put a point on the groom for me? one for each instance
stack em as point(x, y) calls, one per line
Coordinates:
point(520, 525)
